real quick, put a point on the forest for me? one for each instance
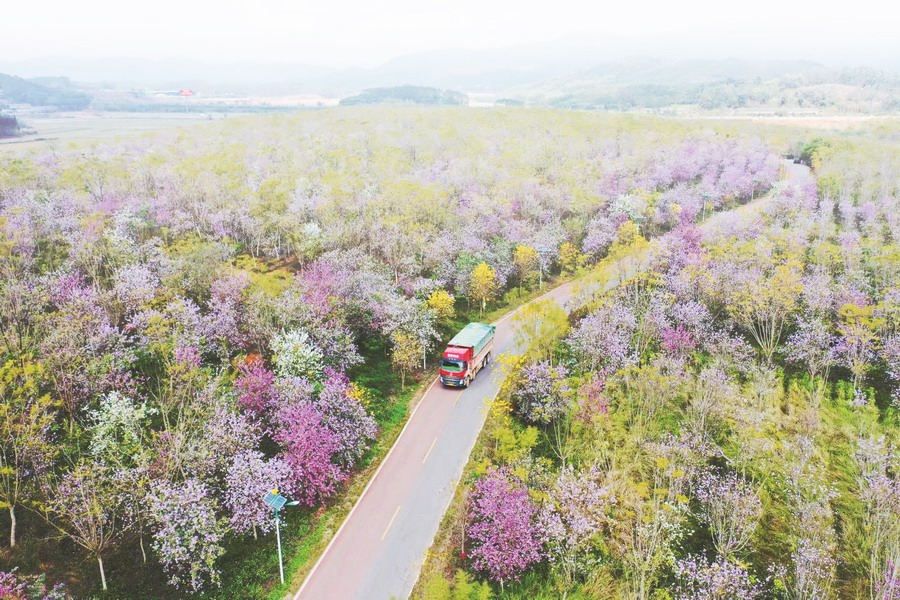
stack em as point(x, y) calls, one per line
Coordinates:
point(193, 318)
point(721, 424)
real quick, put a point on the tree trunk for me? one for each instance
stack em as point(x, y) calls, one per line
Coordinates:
point(143, 552)
point(102, 572)
point(12, 527)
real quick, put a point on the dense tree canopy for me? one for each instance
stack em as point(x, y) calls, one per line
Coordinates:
point(730, 408)
point(198, 313)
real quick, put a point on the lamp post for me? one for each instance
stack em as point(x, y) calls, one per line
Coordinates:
point(543, 253)
point(277, 502)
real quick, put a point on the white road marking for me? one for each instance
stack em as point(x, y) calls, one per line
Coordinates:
point(391, 522)
point(334, 538)
point(430, 448)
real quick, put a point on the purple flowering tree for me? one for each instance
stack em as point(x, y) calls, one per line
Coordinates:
point(814, 346)
point(574, 513)
point(603, 338)
point(89, 508)
point(818, 294)
point(223, 324)
point(187, 535)
point(890, 354)
point(698, 579)
point(677, 341)
point(712, 388)
point(309, 450)
point(542, 395)
point(80, 336)
point(592, 399)
point(249, 478)
point(731, 509)
point(217, 435)
point(880, 492)
point(255, 385)
point(134, 286)
point(601, 232)
point(23, 299)
point(344, 415)
point(18, 587)
point(813, 562)
point(501, 527)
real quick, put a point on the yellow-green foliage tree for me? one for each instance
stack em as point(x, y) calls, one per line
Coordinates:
point(858, 327)
point(539, 326)
point(762, 305)
point(570, 259)
point(26, 416)
point(405, 355)
point(526, 261)
point(442, 304)
point(483, 286)
point(628, 241)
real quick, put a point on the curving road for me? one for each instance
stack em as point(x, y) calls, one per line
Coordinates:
point(379, 549)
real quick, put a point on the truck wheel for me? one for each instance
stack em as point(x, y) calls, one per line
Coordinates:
point(487, 359)
point(467, 382)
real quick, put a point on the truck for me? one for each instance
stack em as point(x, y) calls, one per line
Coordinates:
point(467, 353)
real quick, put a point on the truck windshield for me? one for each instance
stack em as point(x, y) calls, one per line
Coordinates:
point(454, 366)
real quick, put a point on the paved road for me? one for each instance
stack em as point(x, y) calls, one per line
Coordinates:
point(378, 551)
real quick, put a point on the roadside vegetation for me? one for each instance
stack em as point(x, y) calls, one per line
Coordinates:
point(722, 424)
point(192, 319)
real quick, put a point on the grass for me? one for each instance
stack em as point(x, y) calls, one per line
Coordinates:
point(66, 129)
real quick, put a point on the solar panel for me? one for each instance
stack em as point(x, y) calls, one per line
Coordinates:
point(276, 501)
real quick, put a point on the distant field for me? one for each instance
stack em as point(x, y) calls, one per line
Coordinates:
point(66, 129)
point(73, 127)
point(829, 122)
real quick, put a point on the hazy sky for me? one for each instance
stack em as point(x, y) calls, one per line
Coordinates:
point(366, 32)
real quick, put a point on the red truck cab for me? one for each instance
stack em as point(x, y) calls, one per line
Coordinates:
point(467, 353)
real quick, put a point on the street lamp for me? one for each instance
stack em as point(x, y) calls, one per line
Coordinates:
point(277, 502)
point(543, 253)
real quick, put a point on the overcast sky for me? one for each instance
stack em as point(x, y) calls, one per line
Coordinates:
point(367, 32)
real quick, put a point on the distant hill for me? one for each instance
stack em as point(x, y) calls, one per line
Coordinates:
point(57, 92)
point(407, 94)
point(718, 84)
point(645, 70)
point(581, 73)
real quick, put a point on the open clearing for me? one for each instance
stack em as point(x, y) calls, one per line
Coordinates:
point(67, 128)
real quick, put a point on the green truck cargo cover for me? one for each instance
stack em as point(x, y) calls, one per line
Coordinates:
point(474, 335)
